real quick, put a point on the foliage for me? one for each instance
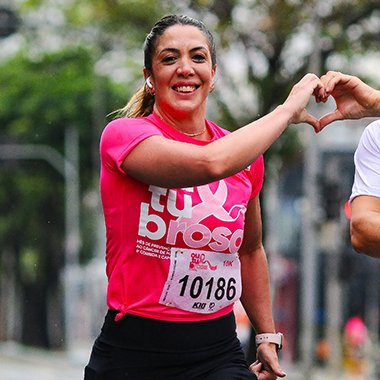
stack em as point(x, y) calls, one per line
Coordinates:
point(40, 98)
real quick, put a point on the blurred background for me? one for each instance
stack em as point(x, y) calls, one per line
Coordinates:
point(65, 65)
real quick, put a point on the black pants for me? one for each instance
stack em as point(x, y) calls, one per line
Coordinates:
point(138, 348)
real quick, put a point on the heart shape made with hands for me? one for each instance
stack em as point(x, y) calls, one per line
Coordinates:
point(319, 115)
point(353, 98)
point(323, 112)
point(326, 111)
point(299, 99)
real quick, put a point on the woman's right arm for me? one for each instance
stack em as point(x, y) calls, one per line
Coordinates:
point(171, 164)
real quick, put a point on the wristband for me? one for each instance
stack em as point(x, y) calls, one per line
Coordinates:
point(277, 339)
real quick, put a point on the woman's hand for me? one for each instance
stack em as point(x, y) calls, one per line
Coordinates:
point(299, 97)
point(267, 367)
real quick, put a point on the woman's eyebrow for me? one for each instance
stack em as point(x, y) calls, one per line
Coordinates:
point(175, 50)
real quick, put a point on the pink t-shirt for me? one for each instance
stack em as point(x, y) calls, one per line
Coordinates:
point(144, 223)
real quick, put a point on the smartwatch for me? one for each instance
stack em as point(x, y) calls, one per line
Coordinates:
point(276, 338)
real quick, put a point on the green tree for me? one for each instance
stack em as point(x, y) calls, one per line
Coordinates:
point(39, 99)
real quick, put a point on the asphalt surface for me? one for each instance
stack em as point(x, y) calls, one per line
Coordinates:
point(21, 363)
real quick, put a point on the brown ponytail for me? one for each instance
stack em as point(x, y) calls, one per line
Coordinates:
point(141, 104)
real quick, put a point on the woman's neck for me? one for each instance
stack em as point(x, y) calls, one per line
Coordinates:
point(192, 126)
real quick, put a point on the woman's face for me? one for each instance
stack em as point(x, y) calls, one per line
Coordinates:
point(183, 74)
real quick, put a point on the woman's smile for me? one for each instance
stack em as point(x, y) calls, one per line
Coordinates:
point(184, 89)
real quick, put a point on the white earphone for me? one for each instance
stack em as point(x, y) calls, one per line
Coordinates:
point(149, 83)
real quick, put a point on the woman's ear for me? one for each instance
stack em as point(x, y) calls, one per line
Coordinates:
point(213, 72)
point(149, 83)
point(147, 77)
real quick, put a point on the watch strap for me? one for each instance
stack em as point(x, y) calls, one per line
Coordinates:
point(276, 338)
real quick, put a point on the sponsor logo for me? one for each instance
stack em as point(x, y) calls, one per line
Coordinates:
point(199, 305)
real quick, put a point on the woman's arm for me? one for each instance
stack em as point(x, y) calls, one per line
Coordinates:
point(256, 298)
point(365, 225)
point(167, 163)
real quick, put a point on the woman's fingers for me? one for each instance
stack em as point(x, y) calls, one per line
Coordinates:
point(256, 367)
point(329, 118)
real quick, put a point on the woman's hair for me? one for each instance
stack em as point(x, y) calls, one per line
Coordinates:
point(141, 103)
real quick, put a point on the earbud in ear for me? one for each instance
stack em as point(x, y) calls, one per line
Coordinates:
point(149, 83)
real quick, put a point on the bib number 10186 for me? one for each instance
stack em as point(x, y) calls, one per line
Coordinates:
point(202, 281)
point(217, 288)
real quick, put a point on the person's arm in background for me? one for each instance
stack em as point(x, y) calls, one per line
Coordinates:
point(365, 225)
point(354, 99)
point(256, 297)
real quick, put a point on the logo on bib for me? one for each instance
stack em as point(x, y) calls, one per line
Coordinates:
point(199, 262)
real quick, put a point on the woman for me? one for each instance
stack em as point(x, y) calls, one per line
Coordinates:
point(181, 204)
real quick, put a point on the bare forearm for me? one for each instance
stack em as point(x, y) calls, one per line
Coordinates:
point(256, 298)
point(239, 149)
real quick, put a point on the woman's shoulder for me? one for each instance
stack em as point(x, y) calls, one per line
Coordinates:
point(125, 130)
point(126, 122)
point(126, 125)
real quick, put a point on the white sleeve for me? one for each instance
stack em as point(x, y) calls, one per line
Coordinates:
point(367, 163)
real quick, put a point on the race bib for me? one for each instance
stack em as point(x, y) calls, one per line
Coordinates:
point(201, 281)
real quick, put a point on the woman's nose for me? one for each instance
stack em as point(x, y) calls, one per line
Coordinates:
point(185, 68)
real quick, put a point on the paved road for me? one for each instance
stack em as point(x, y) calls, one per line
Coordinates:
point(20, 363)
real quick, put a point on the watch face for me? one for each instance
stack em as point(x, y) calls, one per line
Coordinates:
point(279, 346)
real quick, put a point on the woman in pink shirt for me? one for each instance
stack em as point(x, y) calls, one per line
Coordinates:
point(182, 213)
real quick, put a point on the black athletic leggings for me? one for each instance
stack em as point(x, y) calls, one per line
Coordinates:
point(136, 348)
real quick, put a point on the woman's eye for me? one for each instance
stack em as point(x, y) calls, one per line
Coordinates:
point(169, 59)
point(199, 58)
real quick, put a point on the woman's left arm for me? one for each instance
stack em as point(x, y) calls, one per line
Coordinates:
point(256, 298)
